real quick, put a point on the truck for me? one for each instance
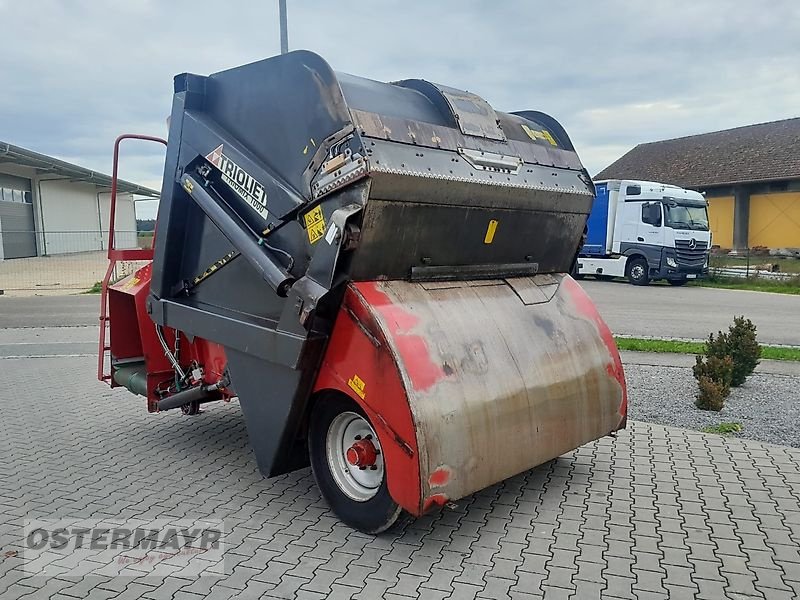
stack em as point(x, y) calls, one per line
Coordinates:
point(378, 273)
point(646, 231)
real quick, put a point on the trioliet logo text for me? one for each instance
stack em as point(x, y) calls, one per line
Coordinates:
point(240, 181)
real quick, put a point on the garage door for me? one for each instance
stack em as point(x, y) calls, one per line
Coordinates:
point(720, 219)
point(16, 217)
point(775, 220)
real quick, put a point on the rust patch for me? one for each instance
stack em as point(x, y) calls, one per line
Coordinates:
point(413, 349)
point(439, 477)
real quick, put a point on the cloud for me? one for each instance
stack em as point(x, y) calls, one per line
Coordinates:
point(616, 73)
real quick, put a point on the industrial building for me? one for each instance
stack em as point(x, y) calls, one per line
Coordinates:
point(750, 176)
point(49, 206)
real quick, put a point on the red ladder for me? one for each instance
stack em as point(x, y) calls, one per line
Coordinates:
point(115, 255)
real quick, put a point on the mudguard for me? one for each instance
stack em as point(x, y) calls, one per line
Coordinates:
point(469, 383)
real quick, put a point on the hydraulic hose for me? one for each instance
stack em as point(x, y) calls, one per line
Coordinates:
point(194, 394)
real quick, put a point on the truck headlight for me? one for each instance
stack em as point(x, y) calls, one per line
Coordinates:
point(671, 262)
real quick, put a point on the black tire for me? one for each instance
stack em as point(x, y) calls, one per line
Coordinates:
point(191, 409)
point(371, 516)
point(678, 282)
point(638, 272)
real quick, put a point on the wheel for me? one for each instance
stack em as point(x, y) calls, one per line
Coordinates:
point(347, 463)
point(638, 271)
point(192, 408)
point(678, 282)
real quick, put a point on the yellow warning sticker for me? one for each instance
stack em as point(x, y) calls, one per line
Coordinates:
point(132, 282)
point(315, 224)
point(539, 135)
point(358, 386)
point(489, 238)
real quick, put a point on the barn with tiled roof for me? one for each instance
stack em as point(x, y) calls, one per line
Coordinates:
point(750, 175)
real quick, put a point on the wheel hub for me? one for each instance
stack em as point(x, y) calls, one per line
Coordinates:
point(362, 454)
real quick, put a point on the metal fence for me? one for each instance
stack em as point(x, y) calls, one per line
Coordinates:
point(67, 261)
point(754, 262)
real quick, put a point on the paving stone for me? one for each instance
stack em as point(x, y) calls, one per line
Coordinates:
point(655, 511)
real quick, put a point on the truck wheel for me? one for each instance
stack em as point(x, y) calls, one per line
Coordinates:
point(347, 463)
point(638, 271)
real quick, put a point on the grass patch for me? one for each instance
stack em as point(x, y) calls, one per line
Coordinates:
point(670, 346)
point(755, 284)
point(682, 347)
point(725, 428)
point(145, 239)
point(95, 289)
point(778, 353)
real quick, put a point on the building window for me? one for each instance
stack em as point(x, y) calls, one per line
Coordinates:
point(15, 195)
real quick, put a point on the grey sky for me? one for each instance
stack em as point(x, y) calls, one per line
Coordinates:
point(75, 73)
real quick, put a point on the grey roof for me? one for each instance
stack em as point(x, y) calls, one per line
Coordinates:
point(48, 164)
point(763, 152)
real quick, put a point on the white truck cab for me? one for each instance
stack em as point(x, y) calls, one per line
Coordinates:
point(645, 231)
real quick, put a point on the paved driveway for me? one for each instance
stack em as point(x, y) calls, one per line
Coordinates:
point(656, 512)
point(693, 312)
point(657, 311)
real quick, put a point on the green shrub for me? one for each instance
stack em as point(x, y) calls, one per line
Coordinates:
point(710, 396)
point(716, 369)
point(741, 345)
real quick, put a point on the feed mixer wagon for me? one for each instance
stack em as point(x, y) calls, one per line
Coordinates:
point(378, 272)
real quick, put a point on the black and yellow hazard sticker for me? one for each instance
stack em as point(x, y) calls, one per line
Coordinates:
point(539, 135)
point(315, 224)
point(358, 386)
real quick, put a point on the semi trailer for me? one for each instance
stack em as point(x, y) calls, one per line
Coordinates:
point(645, 231)
point(378, 272)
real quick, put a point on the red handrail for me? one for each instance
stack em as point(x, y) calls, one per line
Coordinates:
point(114, 255)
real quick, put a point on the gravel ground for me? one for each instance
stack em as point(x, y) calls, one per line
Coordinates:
point(767, 406)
